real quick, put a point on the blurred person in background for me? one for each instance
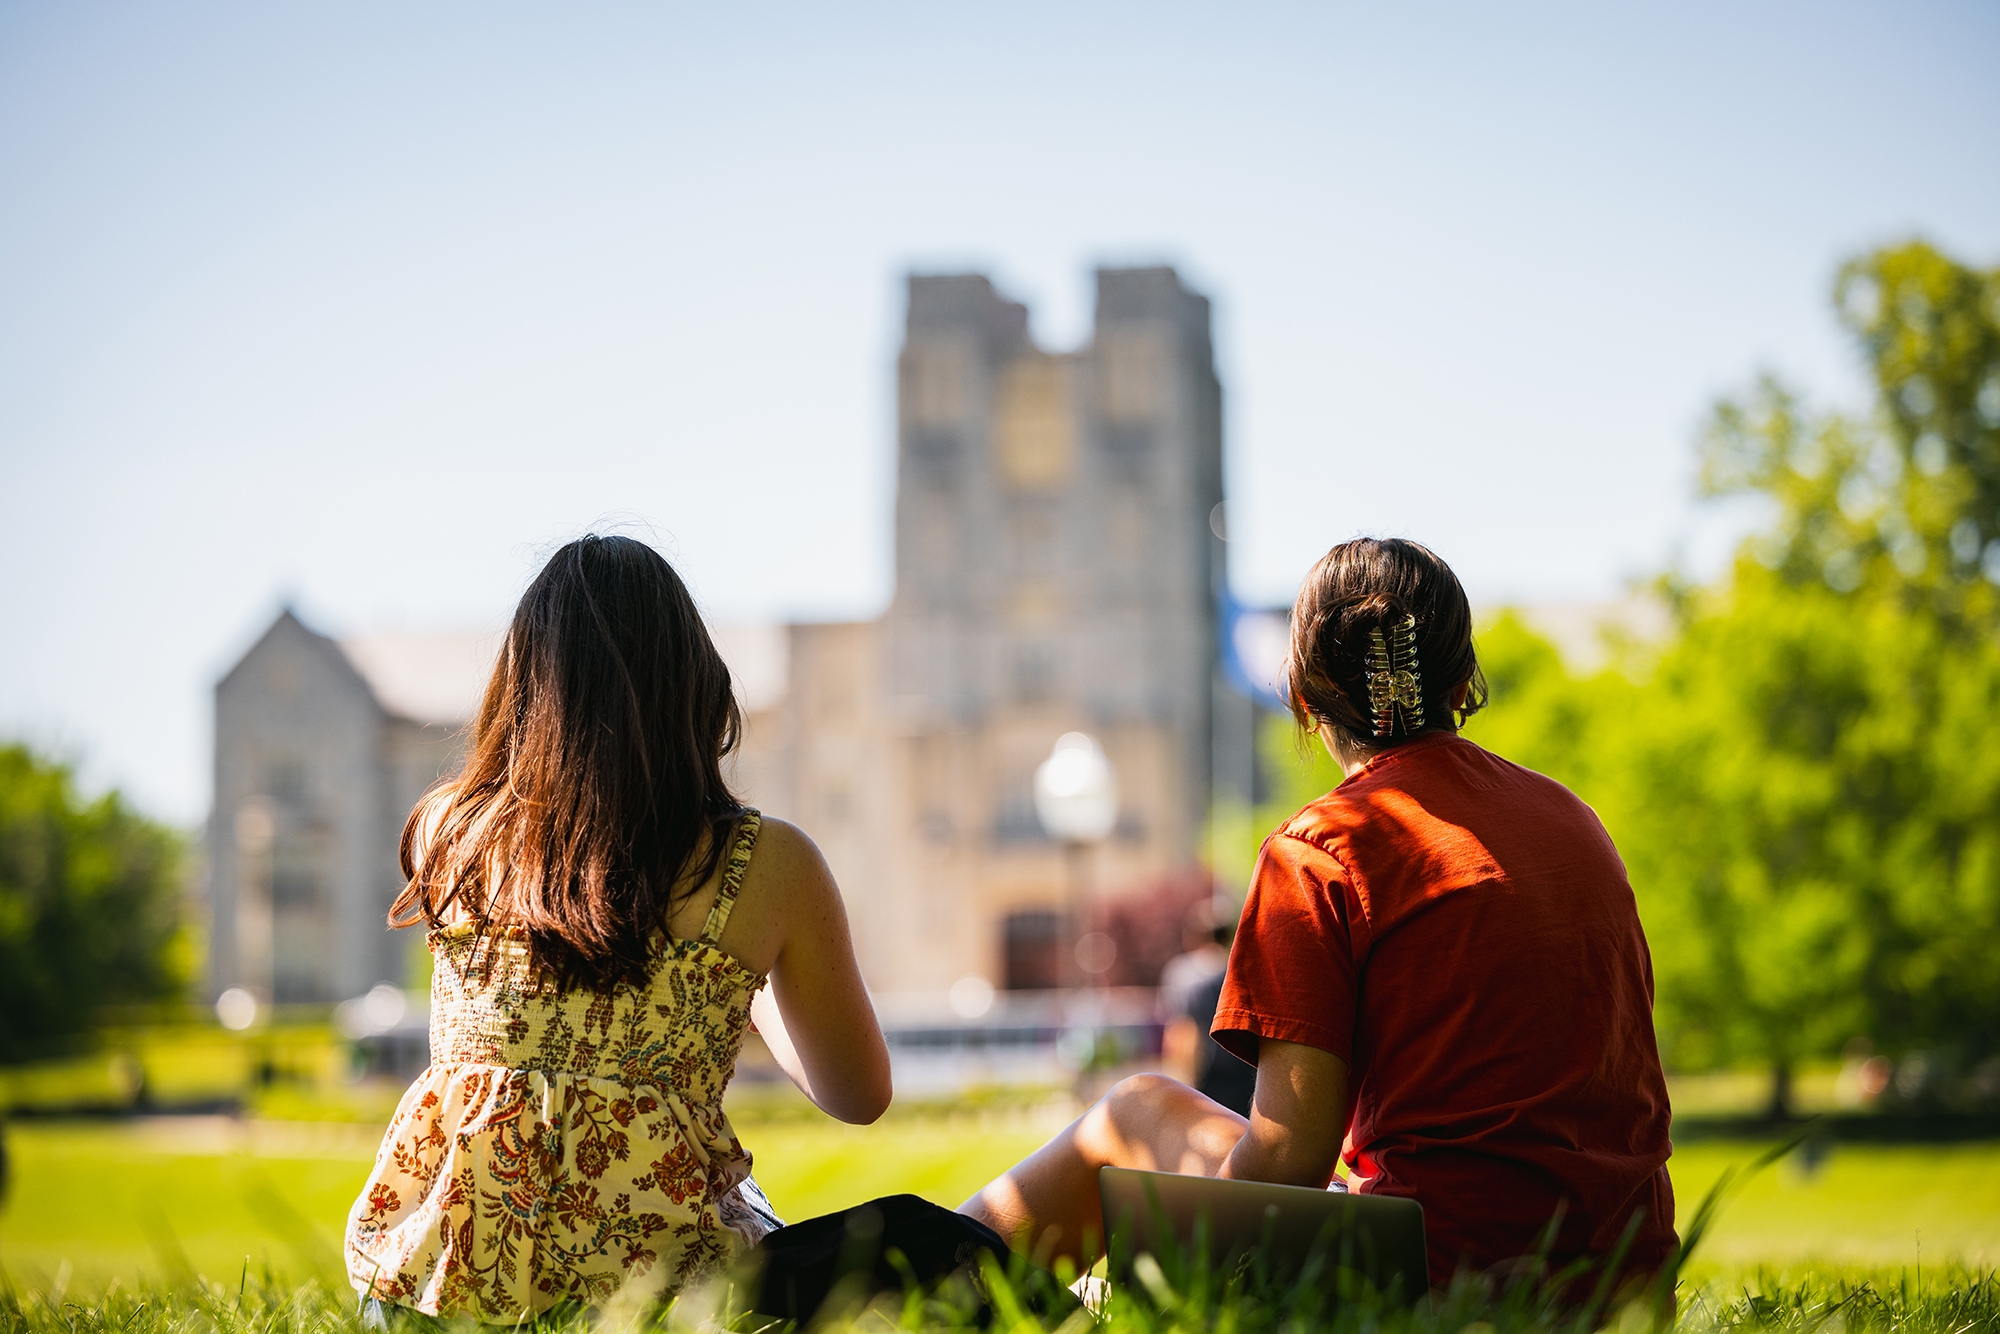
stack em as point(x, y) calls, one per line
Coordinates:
point(1190, 986)
point(1439, 975)
point(604, 915)
point(1205, 935)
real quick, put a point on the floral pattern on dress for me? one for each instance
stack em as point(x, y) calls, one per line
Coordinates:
point(563, 1144)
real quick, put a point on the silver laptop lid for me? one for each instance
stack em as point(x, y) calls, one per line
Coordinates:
point(1379, 1238)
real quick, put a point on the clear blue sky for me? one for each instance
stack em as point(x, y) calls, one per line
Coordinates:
point(365, 306)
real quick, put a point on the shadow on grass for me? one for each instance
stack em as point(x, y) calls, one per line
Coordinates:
point(1848, 1128)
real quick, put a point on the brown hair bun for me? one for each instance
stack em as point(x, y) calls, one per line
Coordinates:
point(1368, 586)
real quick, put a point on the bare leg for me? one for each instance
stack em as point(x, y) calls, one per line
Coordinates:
point(1048, 1201)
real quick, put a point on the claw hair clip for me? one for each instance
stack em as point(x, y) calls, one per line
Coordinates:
point(1395, 686)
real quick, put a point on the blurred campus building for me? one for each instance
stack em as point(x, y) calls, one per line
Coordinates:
point(1058, 561)
point(321, 749)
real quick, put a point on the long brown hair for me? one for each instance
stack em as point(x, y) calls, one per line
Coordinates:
point(1370, 584)
point(594, 781)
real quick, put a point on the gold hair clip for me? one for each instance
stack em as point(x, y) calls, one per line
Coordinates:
point(1394, 683)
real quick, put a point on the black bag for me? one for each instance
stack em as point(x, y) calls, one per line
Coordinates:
point(852, 1249)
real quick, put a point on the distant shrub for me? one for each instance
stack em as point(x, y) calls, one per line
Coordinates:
point(90, 908)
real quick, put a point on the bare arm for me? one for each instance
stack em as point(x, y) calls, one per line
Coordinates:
point(816, 1016)
point(1298, 1117)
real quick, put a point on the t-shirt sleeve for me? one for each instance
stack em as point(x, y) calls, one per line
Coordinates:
point(1292, 969)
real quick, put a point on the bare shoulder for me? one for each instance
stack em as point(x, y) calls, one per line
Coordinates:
point(787, 866)
point(785, 895)
point(784, 847)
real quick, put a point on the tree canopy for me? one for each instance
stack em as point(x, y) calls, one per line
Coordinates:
point(1907, 499)
point(90, 908)
point(1806, 790)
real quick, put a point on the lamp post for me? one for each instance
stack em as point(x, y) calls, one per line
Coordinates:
point(1076, 799)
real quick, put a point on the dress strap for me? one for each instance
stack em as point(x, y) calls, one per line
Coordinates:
point(741, 845)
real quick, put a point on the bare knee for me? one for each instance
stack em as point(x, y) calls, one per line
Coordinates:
point(1143, 1095)
point(1129, 1115)
point(1146, 1090)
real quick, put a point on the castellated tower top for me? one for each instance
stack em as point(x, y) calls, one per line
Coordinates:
point(966, 301)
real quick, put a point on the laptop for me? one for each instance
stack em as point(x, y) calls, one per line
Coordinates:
point(1376, 1239)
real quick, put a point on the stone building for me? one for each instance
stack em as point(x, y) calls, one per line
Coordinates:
point(321, 749)
point(1057, 561)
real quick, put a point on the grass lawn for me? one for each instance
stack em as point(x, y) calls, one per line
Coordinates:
point(145, 1198)
point(1879, 1205)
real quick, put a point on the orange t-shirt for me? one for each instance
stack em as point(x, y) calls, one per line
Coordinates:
point(1460, 931)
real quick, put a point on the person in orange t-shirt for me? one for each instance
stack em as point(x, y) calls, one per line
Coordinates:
point(1440, 976)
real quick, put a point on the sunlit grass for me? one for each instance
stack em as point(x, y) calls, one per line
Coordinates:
point(143, 1199)
point(207, 1226)
point(1815, 1301)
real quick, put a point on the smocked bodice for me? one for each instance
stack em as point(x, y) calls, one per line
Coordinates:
point(683, 1031)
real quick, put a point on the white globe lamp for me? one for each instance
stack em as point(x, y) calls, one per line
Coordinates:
point(1076, 792)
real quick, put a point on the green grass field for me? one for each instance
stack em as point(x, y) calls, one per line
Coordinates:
point(143, 1200)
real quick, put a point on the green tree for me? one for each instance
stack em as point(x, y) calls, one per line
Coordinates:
point(1805, 794)
point(1906, 500)
point(1840, 700)
point(1805, 786)
point(1805, 780)
point(90, 908)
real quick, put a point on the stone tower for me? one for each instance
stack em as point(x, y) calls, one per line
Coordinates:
point(1055, 571)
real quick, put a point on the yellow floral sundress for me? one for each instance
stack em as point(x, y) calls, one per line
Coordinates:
point(561, 1145)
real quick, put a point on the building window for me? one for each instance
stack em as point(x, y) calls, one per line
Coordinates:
point(1125, 529)
point(1031, 537)
point(1015, 821)
point(285, 779)
point(927, 538)
point(1034, 432)
point(933, 453)
point(1130, 368)
point(294, 877)
point(1128, 450)
point(1034, 674)
point(301, 963)
point(1031, 944)
point(931, 785)
point(937, 384)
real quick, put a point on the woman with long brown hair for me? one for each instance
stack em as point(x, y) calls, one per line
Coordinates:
point(603, 915)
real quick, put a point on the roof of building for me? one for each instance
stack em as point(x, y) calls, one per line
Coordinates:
point(430, 677)
point(437, 676)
